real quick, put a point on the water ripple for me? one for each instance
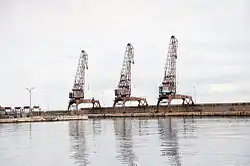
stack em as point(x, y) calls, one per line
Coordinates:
point(125, 141)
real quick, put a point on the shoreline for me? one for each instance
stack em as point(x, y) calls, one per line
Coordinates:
point(43, 119)
point(51, 118)
point(197, 110)
point(173, 114)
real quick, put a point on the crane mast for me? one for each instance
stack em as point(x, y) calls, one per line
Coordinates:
point(123, 91)
point(77, 95)
point(167, 90)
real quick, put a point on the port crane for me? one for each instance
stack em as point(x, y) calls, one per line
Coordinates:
point(76, 97)
point(167, 90)
point(123, 91)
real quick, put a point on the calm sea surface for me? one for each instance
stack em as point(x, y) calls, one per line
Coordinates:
point(141, 142)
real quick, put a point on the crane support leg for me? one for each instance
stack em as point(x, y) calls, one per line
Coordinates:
point(122, 100)
point(95, 103)
point(186, 100)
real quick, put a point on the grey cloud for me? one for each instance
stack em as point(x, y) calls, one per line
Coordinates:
point(41, 41)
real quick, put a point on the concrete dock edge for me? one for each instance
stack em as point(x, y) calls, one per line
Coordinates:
point(43, 119)
point(163, 114)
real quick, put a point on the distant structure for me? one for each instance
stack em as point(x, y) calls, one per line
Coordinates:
point(167, 90)
point(123, 92)
point(76, 97)
point(17, 111)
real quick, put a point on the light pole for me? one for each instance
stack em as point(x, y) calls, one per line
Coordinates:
point(30, 90)
point(103, 98)
point(194, 94)
point(46, 99)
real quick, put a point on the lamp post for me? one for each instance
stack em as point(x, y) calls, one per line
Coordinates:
point(30, 91)
point(46, 99)
point(103, 98)
point(194, 94)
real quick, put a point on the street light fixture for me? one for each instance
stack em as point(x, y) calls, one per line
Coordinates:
point(30, 91)
point(194, 94)
point(46, 96)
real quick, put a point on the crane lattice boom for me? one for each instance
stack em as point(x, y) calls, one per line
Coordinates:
point(169, 80)
point(124, 86)
point(79, 84)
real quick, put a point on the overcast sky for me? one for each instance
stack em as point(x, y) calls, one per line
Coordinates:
point(41, 42)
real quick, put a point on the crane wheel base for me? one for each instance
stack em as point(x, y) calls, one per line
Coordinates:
point(186, 100)
point(142, 102)
point(95, 103)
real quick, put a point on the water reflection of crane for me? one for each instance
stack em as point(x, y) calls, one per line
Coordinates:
point(168, 136)
point(189, 127)
point(97, 128)
point(78, 144)
point(123, 133)
point(143, 124)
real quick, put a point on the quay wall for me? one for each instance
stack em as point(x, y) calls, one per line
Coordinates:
point(211, 107)
point(174, 108)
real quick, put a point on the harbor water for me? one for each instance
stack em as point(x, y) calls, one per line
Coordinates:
point(126, 141)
